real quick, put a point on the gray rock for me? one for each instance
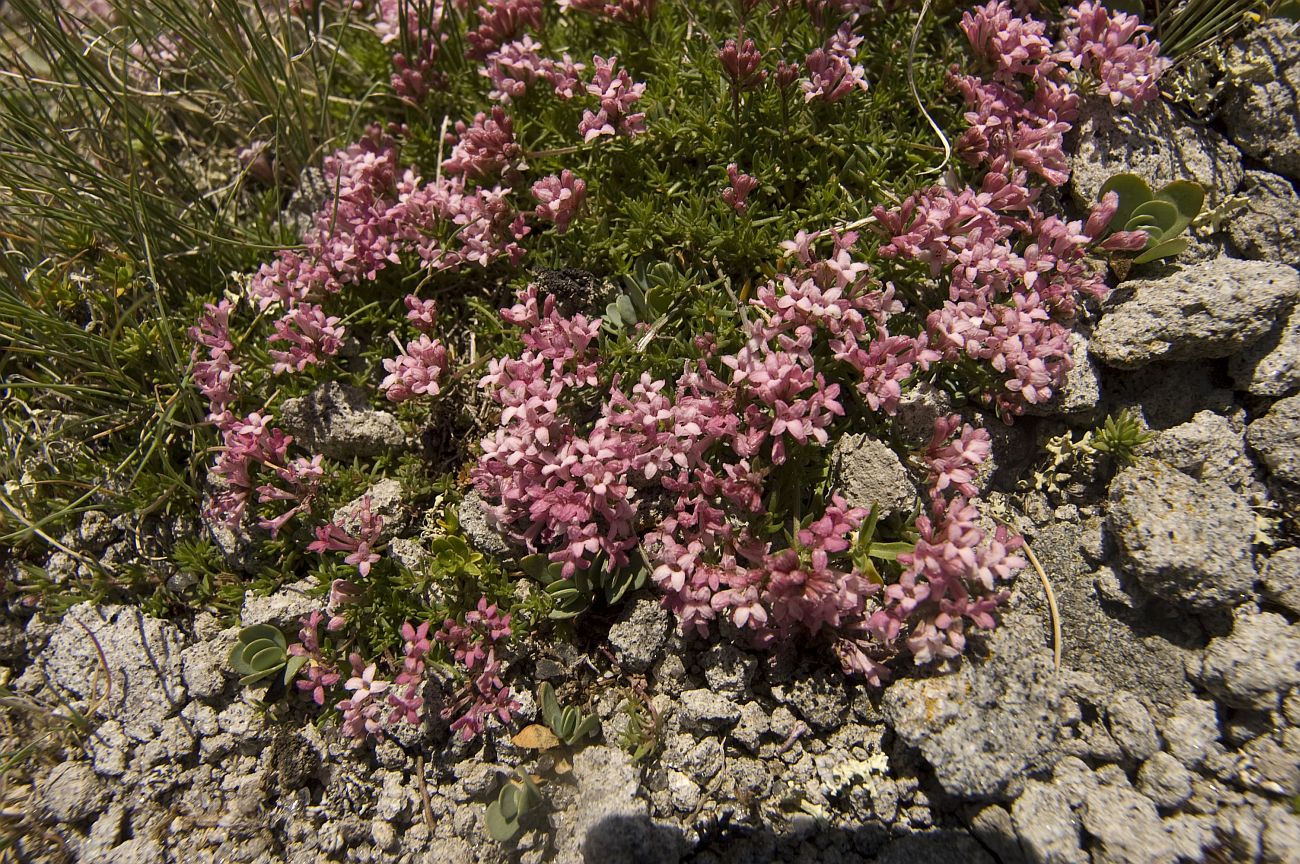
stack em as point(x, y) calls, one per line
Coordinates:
point(1271, 768)
point(143, 656)
point(754, 724)
point(1281, 580)
point(639, 634)
point(1133, 647)
point(1158, 143)
point(1192, 835)
point(705, 711)
point(1192, 731)
point(868, 472)
point(386, 502)
point(476, 523)
point(986, 726)
point(1211, 309)
point(1080, 393)
point(1271, 366)
point(820, 697)
point(1126, 826)
point(1166, 394)
point(283, 609)
point(337, 421)
point(1256, 664)
point(727, 669)
point(917, 410)
point(1165, 781)
point(996, 830)
point(408, 553)
point(1187, 541)
point(96, 530)
point(1046, 826)
point(205, 666)
point(109, 748)
point(1209, 446)
point(1268, 228)
point(71, 792)
point(1131, 727)
point(1281, 836)
point(1275, 437)
point(608, 822)
point(1261, 110)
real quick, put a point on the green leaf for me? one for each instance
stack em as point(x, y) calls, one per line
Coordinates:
point(256, 676)
point(255, 632)
point(537, 566)
point(588, 725)
point(550, 706)
point(1132, 191)
point(1162, 214)
point(1187, 198)
point(508, 798)
point(528, 795)
point(293, 667)
point(267, 660)
point(891, 551)
point(1167, 249)
point(501, 828)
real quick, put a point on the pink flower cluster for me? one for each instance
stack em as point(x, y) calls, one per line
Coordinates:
point(405, 697)
point(617, 94)
point(699, 457)
point(740, 184)
point(627, 11)
point(363, 711)
point(1115, 49)
point(559, 197)
point(832, 74)
point(333, 537)
point(318, 674)
point(252, 450)
point(500, 21)
point(1015, 275)
point(474, 646)
point(742, 62)
point(516, 65)
point(216, 376)
point(416, 371)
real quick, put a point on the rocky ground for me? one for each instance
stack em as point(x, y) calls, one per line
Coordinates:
point(1170, 731)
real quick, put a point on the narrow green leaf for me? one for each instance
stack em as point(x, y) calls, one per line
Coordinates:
point(1167, 249)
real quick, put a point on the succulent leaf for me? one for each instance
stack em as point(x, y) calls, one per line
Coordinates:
point(1166, 249)
point(1132, 191)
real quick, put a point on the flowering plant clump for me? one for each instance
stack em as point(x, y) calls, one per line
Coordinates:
point(627, 271)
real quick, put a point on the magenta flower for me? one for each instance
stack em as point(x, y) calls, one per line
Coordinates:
point(559, 197)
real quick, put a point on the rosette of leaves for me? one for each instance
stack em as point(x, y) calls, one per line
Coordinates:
point(868, 546)
point(1120, 437)
point(260, 651)
point(574, 595)
point(1163, 214)
point(517, 797)
point(569, 724)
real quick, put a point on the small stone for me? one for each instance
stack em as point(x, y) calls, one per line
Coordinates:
point(1268, 227)
point(1275, 437)
point(1165, 781)
point(727, 669)
point(96, 530)
point(1192, 731)
point(918, 408)
point(1271, 366)
point(639, 634)
point(1131, 727)
point(1207, 310)
point(1126, 826)
point(1262, 106)
point(204, 667)
point(285, 608)
point(706, 711)
point(1046, 826)
point(685, 793)
point(1256, 664)
point(1187, 541)
point(1281, 836)
point(477, 525)
point(611, 823)
point(754, 723)
point(386, 502)
point(1281, 579)
point(337, 421)
point(996, 830)
point(71, 792)
point(1207, 447)
point(1080, 392)
point(868, 472)
point(818, 696)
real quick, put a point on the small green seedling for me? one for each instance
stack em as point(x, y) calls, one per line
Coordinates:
point(573, 596)
point(1120, 437)
point(568, 724)
point(1163, 215)
point(261, 652)
point(517, 797)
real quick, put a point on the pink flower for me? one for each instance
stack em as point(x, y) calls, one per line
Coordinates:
point(617, 94)
point(417, 371)
point(737, 193)
point(559, 197)
point(740, 63)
